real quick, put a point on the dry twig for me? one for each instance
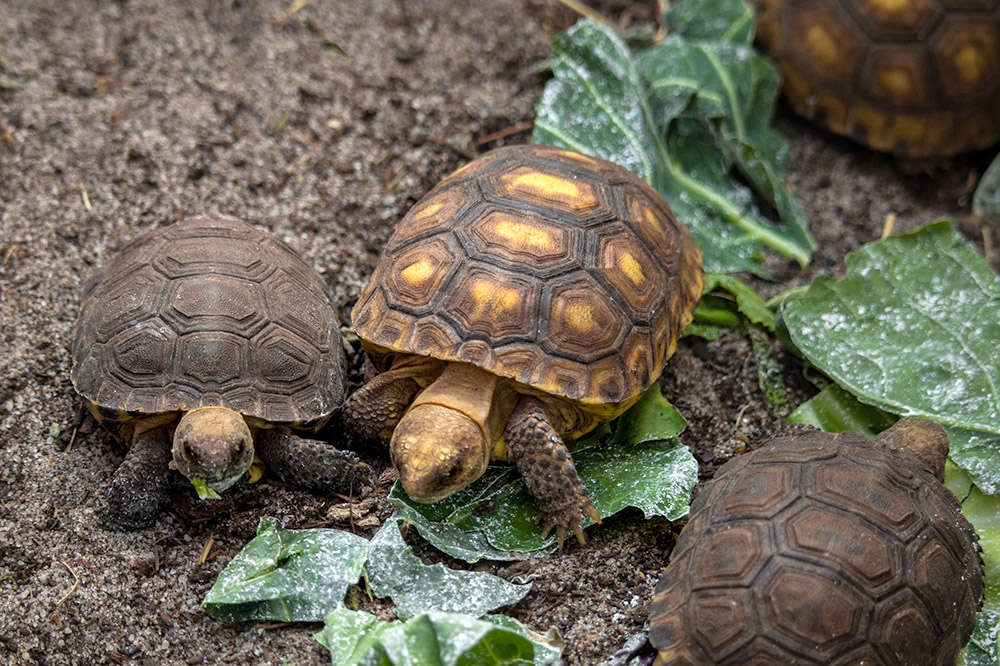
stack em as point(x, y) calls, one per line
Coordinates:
point(76, 584)
point(890, 224)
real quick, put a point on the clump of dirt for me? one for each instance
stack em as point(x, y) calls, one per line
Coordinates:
point(324, 123)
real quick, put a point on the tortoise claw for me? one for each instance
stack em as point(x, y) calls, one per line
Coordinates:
point(568, 517)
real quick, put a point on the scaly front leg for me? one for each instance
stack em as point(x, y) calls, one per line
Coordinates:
point(309, 463)
point(548, 470)
point(374, 409)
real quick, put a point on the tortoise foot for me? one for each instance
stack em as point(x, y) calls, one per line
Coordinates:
point(139, 488)
point(545, 463)
point(310, 464)
point(374, 409)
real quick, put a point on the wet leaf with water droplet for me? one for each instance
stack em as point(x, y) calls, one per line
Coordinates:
point(913, 328)
point(394, 571)
point(681, 115)
point(439, 639)
point(287, 575)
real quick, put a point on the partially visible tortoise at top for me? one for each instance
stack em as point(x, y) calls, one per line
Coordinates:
point(532, 295)
point(214, 336)
point(917, 78)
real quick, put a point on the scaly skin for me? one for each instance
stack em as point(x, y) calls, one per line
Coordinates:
point(374, 409)
point(548, 470)
point(139, 487)
point(309, 463)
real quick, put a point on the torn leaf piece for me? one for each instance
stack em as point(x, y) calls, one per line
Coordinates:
point(287, 575)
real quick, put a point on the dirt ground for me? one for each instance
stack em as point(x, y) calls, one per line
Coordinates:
point(323, 126)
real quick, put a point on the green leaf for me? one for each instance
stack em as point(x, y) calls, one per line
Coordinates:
point(393, 571)
point(986, 200)
point(708, 332)
point(984, 648)
point(835, 410)
point(597, 104)
point(624, 464)
point(204, 490)
point(349, 635)
point(748, 301)
point(432, 639)
point(912, 328)
point(712, 20)
point(977, 453)
point(287, 575)
point(734, 100)
point(651, 419)
point(983, 511)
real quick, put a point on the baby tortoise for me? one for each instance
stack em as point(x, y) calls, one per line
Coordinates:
point(220, 339)
point(918, 78)
point(532, 295)
point(822, 549)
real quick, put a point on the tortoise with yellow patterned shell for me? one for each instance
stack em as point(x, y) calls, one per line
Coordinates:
point(918, 78)
point(532, 295)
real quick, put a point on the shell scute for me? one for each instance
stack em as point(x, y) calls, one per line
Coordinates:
point(209, 312)
point(550, 280)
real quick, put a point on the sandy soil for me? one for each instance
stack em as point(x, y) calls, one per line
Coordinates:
point(323, 126)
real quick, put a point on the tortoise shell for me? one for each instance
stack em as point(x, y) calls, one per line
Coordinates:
point(918, 78)
point(563, 272)
point(209, 312)
point(819, 549)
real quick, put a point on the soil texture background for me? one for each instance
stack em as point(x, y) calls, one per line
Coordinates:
point(323, 125)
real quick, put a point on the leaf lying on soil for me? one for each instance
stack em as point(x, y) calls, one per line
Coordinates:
point(287, 575)
point(635, 461)
point(681, 115)
point(299, 575)
point(393, 571)
point(912, 328)
point(433, 639)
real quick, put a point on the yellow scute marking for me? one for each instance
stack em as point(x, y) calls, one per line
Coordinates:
point(493, 300)
point(427, 210)
point(893, 6)
point(822, 45)
point(632, 269)
point(897, 82)
point(552, 187)
point(418, 272)
point(969, 61)
point(580, 318)
point(654, 222)
point(522, 234)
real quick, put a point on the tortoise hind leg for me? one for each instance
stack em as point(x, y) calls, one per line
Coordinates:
point(139, 487)
point(309, 463)
point(544, 462)
point(374, 409)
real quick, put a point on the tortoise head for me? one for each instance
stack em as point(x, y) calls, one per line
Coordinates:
point(212, 444)
point(437, 452)
point(921, 442)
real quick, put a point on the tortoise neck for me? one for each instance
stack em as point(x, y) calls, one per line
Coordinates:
point(465, 388)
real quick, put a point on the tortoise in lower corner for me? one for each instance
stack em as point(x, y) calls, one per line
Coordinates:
point(530, 296)
point(823, 550)
point(220, 339)
point(916, 78)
